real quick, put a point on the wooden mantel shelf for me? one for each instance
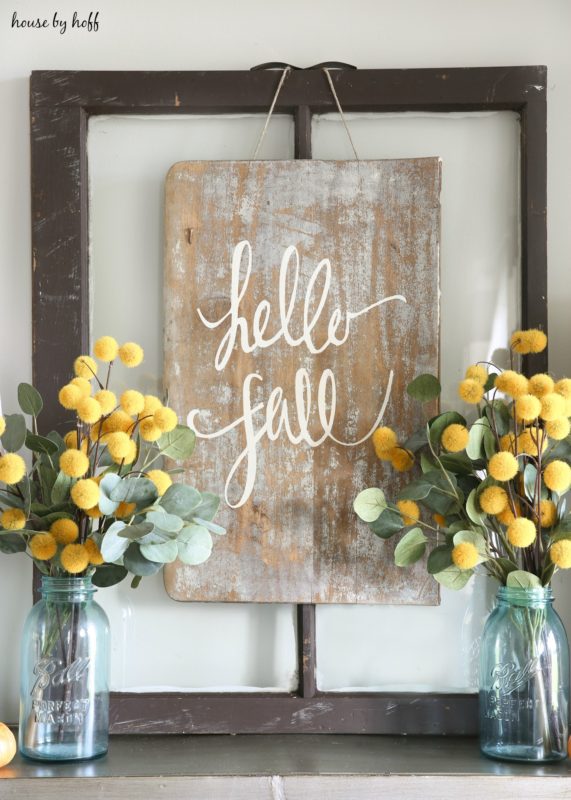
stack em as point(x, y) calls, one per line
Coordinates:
point(292, 767)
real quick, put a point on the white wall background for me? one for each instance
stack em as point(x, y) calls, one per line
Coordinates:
point(224, 35)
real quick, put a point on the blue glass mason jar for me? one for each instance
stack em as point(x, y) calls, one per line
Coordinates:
point(524, 678)
point(64, 694)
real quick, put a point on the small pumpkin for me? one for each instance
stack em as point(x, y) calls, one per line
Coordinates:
point(8, 745)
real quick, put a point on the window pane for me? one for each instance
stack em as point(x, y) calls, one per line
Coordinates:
point(157, 642)
point(414, 648)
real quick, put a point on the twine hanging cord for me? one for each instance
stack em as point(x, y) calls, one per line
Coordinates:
point(283, 78)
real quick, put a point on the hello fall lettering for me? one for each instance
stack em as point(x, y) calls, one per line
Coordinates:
point(272, 418)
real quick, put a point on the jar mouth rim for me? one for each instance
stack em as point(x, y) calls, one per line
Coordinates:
point(68, 583)
point(531, 593)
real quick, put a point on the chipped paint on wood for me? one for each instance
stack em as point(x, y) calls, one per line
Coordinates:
point(296, 538)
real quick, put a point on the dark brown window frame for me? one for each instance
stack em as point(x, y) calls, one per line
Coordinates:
point(61, 104)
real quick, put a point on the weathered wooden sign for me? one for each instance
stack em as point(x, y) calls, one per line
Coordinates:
point(300, 299)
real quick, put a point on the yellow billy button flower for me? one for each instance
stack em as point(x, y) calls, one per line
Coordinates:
point(557, 476)
point(503, 466)
point(89, 410)
point(528, 440)
point(401, 459)
point(83, 385)
point(455, 438)
point(73, 463)
point(85, 367)
point(507, 443)
point(465, 555)
point(132, 452)
point(125, 510)
point(530, 341)
point(563, 387)
point(118, 444)
point(521, 532)
point(74, 558)
point(558, 429)
point(440, 520)
point(13, 519)
point(527, 407)
point(384, 440)
point(560, 553)
point(149, 431)
point(43, 546)
point(506, 516)
point(118, 421)
point(493, 500)
point(106, 348)
point(547, 513)
point(541, 384)
point(12, 468)
point(165, 419)
point(131, 354)
point(512, 383)
point(477, 372)
point(70, 439)
point(151, 404)
point(93, 553)
point(162, 480)
point(2, 426)
point(132, 401)
point(106, 400)
point(552, 406)
point(409, 511)
point(64, 531)
point(94, 513)
point(69, 396)
point(536, 340)
point(470, 391)
point(85, 493)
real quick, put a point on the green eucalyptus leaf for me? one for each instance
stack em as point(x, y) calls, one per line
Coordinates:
point(163, 553)
point(11, 500)
point(14, 436)
point(529, 481)
point(491, 381)
point(476, 438)
point(411, 548)
point(180, 500)
point(106, 486)
point(178, 443)
point(458, 463)
point(369, 504)
point(194, 544)
point(426, 463)
point(473, 509)
point(170, 523)
point(136, 562)
point(505, 565)
point(453, 577)
point(108, 575)
point(136, 581)
point(112, 545)
point(387, 524)
point(439, 559)
point(211, 526)
point(208, 506)
point(140, 491)
point(416, 441)
point(29, 399)
point(40, 444)
point(490, 444)
point(424, 388)
point(12, 543)
point(134, 532)
point(61, 488)
point(520, 579)
point(499, 416)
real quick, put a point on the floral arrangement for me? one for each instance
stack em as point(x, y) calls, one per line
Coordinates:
point(97, 502)
point(489, 494)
